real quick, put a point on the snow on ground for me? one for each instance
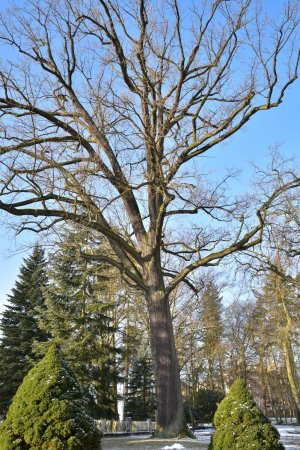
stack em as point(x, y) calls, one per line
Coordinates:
point(174, 447)
point(204, 434)
point(290, 437)
point(288, 430)
point(127, 443)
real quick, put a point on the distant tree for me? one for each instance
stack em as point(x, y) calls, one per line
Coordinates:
point(280, 300)
point(134, 330)
point(187, 322)
point(199, 338)
point(20, 325)
point(48, 411)
point(140, 402)
point(79, 317)
point(211, 322)
point(238, 340)
point(239, 424)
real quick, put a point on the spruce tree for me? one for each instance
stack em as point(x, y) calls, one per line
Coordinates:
point(79, 318)
point(19, 325)
point(140, 404)
point(240, 425)
point(47, 411)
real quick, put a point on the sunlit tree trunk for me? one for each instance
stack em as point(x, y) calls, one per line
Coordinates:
point(287, 346)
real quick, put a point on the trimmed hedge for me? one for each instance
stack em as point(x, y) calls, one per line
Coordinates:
point(240, 425)
point(48, 411)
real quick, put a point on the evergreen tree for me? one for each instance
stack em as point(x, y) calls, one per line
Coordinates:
point(205, 404)
point(240, 425)
point(211, 319)
point(47, 411)
point(140, 404)
point(79, 317)
point(19, 325)
point(133, 331)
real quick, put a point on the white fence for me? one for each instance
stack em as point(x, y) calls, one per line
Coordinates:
point(126, 426)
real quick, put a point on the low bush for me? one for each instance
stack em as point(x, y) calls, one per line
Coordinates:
point(240, 425)
point(48, 411)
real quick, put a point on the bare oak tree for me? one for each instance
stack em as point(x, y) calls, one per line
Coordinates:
point(278, 253)
point(106, 107)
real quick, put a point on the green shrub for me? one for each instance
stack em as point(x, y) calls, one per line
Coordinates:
point(205, 403)
point(240, 425)
point(47, 412)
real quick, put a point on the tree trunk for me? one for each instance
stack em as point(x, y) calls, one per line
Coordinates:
point(288, 350)
point(291, 371)
point(210, 374)
point(170, 416)
point(244, 367)
point(263, 383)
point(222, 379)
point(270, 392)
point(297, 414)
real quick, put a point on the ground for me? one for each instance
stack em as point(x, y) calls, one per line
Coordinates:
point(151, 444)
point(290, 435)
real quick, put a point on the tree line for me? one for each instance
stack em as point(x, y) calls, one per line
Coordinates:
point(86, 308)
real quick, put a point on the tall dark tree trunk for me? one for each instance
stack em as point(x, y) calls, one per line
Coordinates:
point(170, 415)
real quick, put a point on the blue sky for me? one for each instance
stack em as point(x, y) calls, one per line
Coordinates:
point(266, 129)
point(280, 125)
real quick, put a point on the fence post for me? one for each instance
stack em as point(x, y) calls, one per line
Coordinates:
point(128, 424)
point(102, 425)
point(149, 425)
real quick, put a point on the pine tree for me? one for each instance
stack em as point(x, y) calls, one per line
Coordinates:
point(47, 411)
point(79, 318)
point(19, 325)
point(240, 425)
point(140, 404)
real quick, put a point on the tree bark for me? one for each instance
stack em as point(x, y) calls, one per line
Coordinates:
point(288, 350)
point(210, 373)
point(271, 398)
point(170, 415)
point(262, 371)
point(291, 371)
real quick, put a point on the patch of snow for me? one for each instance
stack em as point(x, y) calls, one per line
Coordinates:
point(204, 435)
point(139, 436)
point(288, 430)
point(174, 447)
point(290, 436)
